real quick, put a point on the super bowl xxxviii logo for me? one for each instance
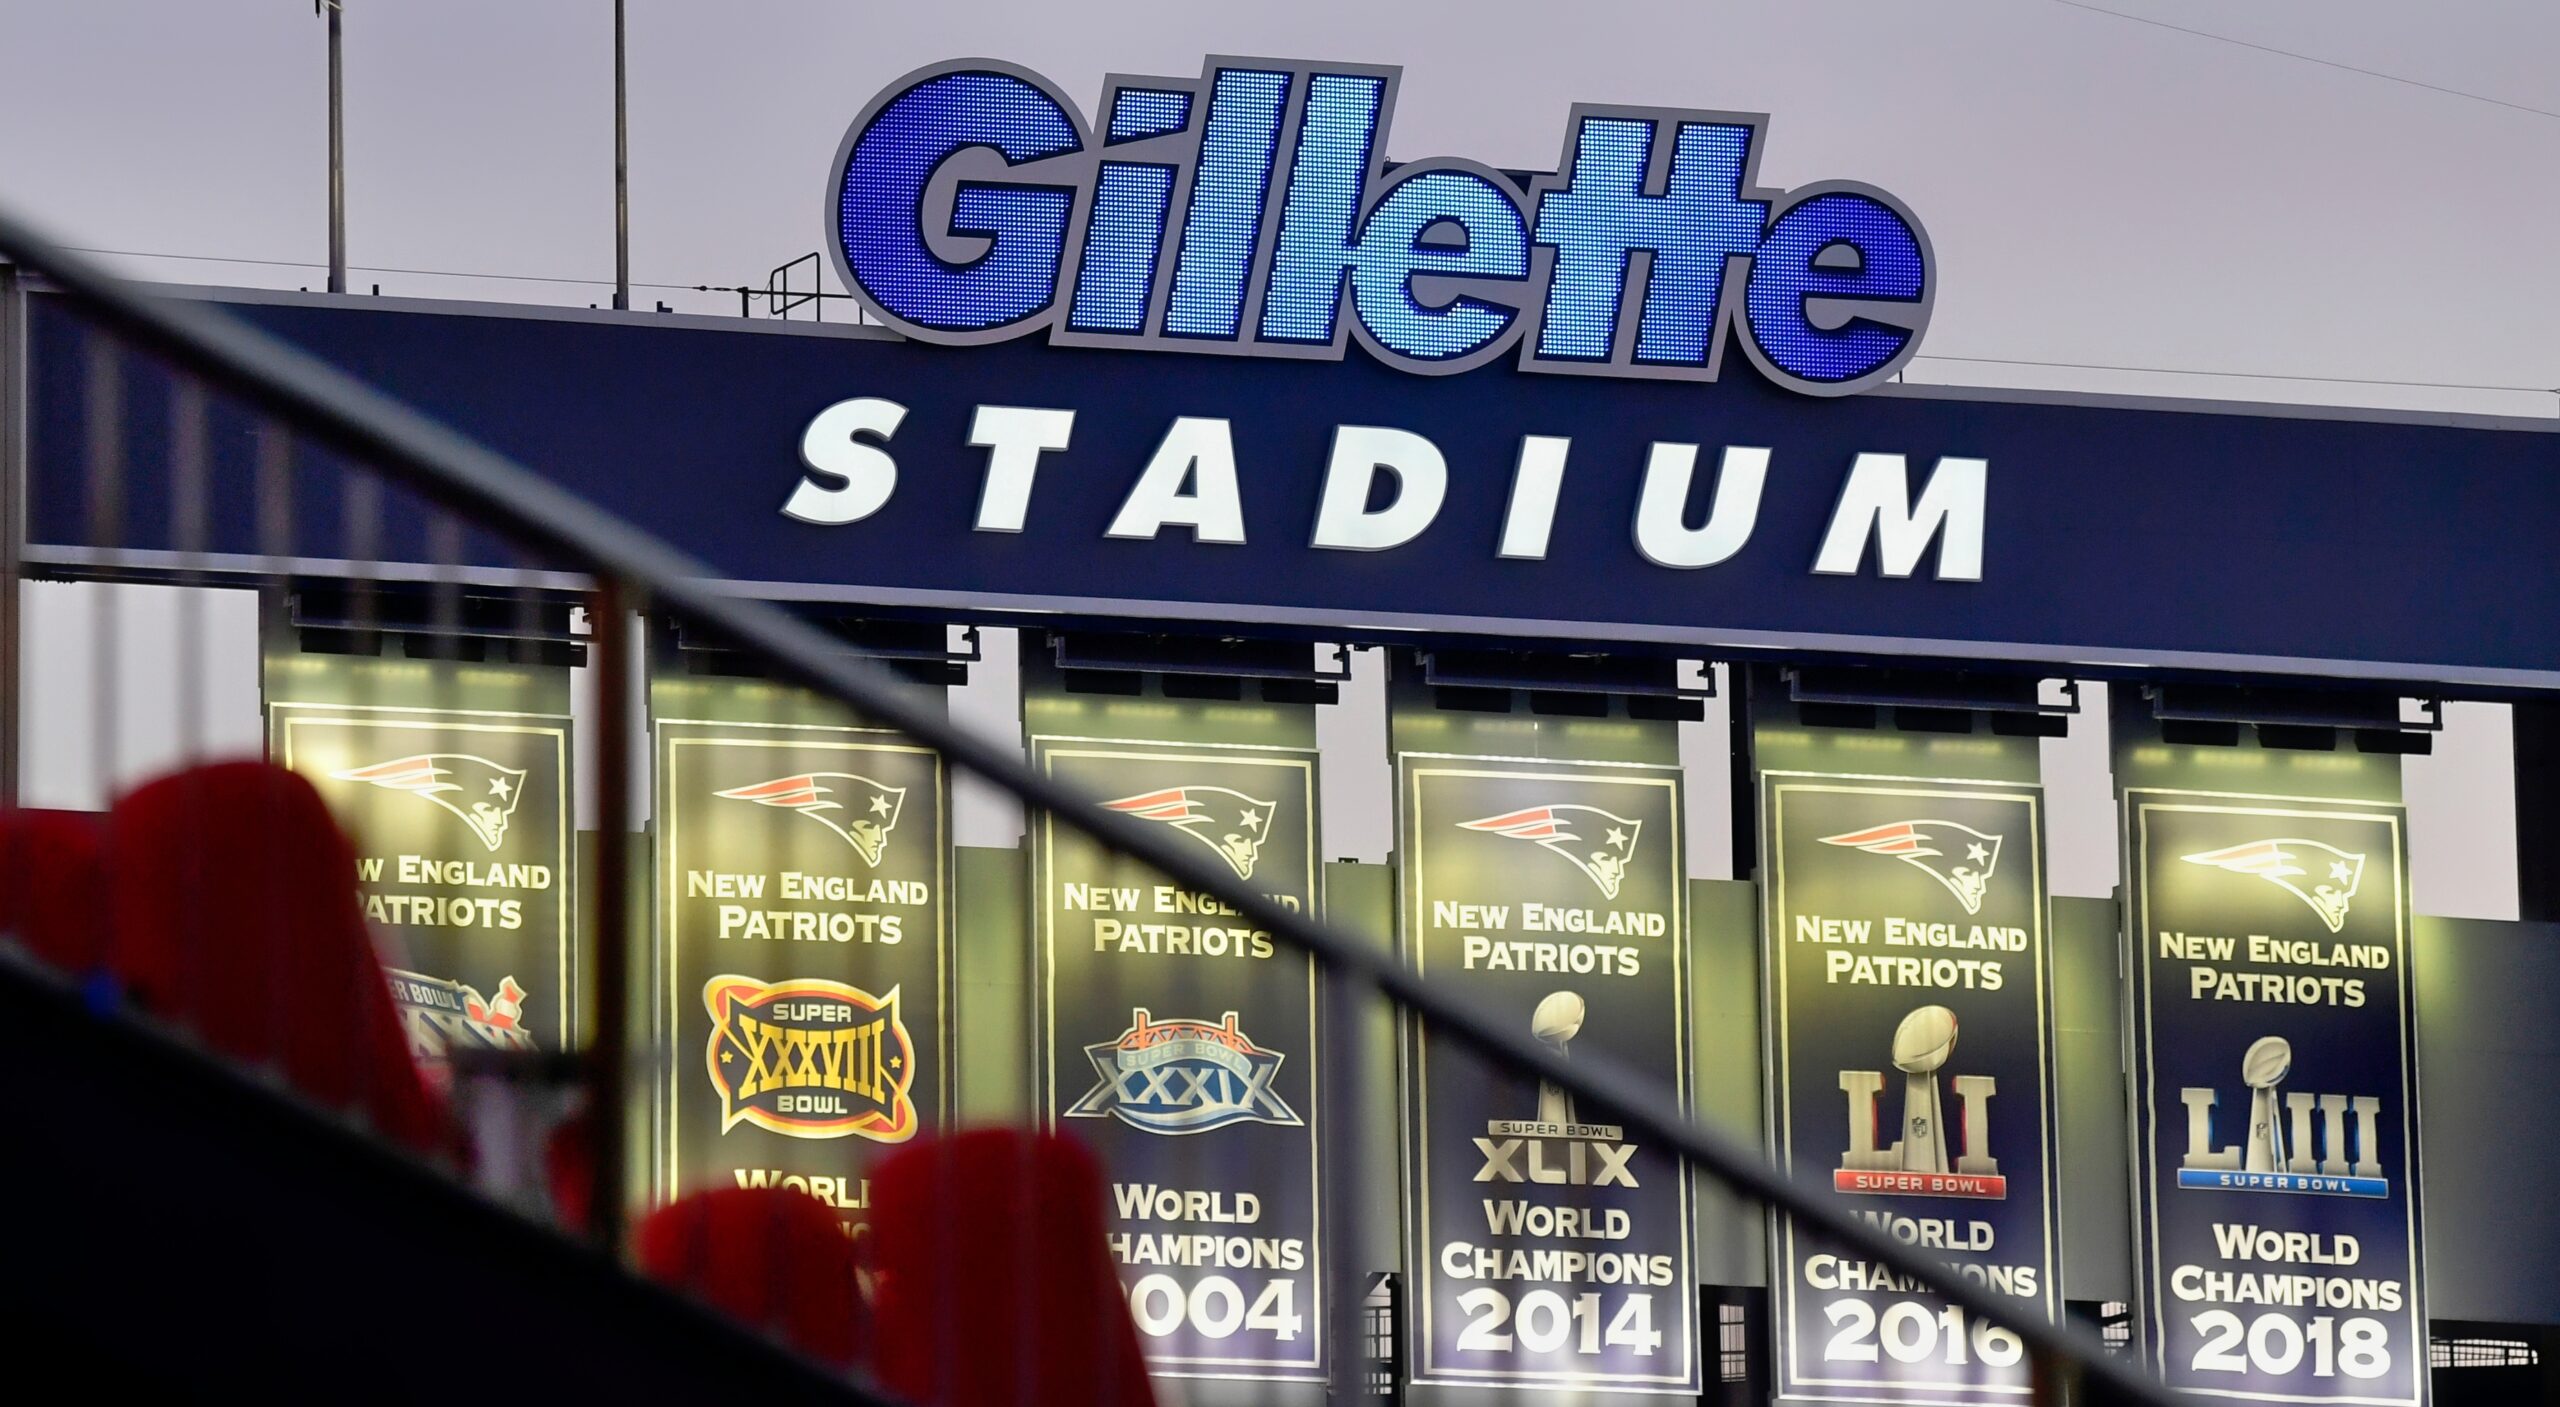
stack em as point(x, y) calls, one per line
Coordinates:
point(2327, 1145)
point(1182, 1076)
point(859, 810)
point(810, 1059)
point(1599, 844)
point(2323, 877)
point(1960, 858)
point(1917, 1164)
point(1227, 821)
point(474, 790)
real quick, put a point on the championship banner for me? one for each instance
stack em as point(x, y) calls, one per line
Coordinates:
point(1178, 1042)
point(1546, 1247)
point(453, 781)
point(1910, 1063)
point(2275, 1126)
point(803, 867)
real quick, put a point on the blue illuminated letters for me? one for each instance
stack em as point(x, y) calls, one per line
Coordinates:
point(1253, 211)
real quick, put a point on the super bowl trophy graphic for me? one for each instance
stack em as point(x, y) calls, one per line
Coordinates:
point(1921, 1044)
point(2268, 1061)
point(1554, 1024)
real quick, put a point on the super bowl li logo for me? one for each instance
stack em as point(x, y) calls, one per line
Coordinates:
point(1916, 1164)
point(1182, 1077)
point(2327, 1145)
point(810, 1059)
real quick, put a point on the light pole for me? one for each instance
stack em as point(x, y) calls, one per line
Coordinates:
point(621, 173)
point(337, 151)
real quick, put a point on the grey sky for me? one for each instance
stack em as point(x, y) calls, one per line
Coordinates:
point(2098, 189)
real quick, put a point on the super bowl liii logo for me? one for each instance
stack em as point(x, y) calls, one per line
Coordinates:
point(1183, 1076)
point(2279, 1154)
point(1917, 1164)
point(810, 1059)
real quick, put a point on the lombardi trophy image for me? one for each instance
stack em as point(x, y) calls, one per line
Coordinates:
point(1554, 1024)
point(1921, 1044)
point(2268, 1061)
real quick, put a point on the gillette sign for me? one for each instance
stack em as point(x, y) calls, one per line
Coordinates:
point(1253, 211)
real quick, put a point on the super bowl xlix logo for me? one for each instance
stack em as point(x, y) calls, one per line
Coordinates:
point(1599, 844)
point(1917, 1164)
point(474, 790)
point(2318, 1144)
point(1183, 1076)
point(1960, 858)
point(810, 1059)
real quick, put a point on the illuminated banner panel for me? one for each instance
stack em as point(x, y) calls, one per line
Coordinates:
point(2275, 1125)
point(1910, 1063)
point(1177, 1040)
point(453, 780)
point(1540, 868)
point(803, 939)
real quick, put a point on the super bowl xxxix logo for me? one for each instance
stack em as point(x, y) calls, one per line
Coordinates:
point(1917, 1164)
point(1599, 844)
point(1959, 858)
point(2323, 877)
point(2321, 1144)
point(478, 792)
point(863, 812)
point(810, 1059)
point(1182, 1076)
point(1227, 821)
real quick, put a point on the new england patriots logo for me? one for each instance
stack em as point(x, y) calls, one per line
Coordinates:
point(2333, 874)
point(857, 808)
point(1597, 843)
point(478, 791)
point(1959, 858)
point(1229, 822)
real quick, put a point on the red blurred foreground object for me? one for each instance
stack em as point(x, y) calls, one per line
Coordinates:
point(234, 914)
point(995, 1283)
point(772, 1258)
point(52, 887)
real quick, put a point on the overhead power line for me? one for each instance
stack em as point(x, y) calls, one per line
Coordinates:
point(2311, 59)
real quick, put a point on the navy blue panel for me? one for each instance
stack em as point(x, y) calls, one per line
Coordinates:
point(2114, 534)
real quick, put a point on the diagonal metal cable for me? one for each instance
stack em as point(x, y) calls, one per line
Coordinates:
point(2310, 58)
point(450, 468)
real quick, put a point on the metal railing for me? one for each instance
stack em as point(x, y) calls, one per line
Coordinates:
point(467, 489)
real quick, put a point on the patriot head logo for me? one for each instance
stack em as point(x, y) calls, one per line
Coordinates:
point(2322, 876)
point(1229, 822)
point(859, 809)
point(1959, 858)
point(1597, 843)
point(478, 791)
